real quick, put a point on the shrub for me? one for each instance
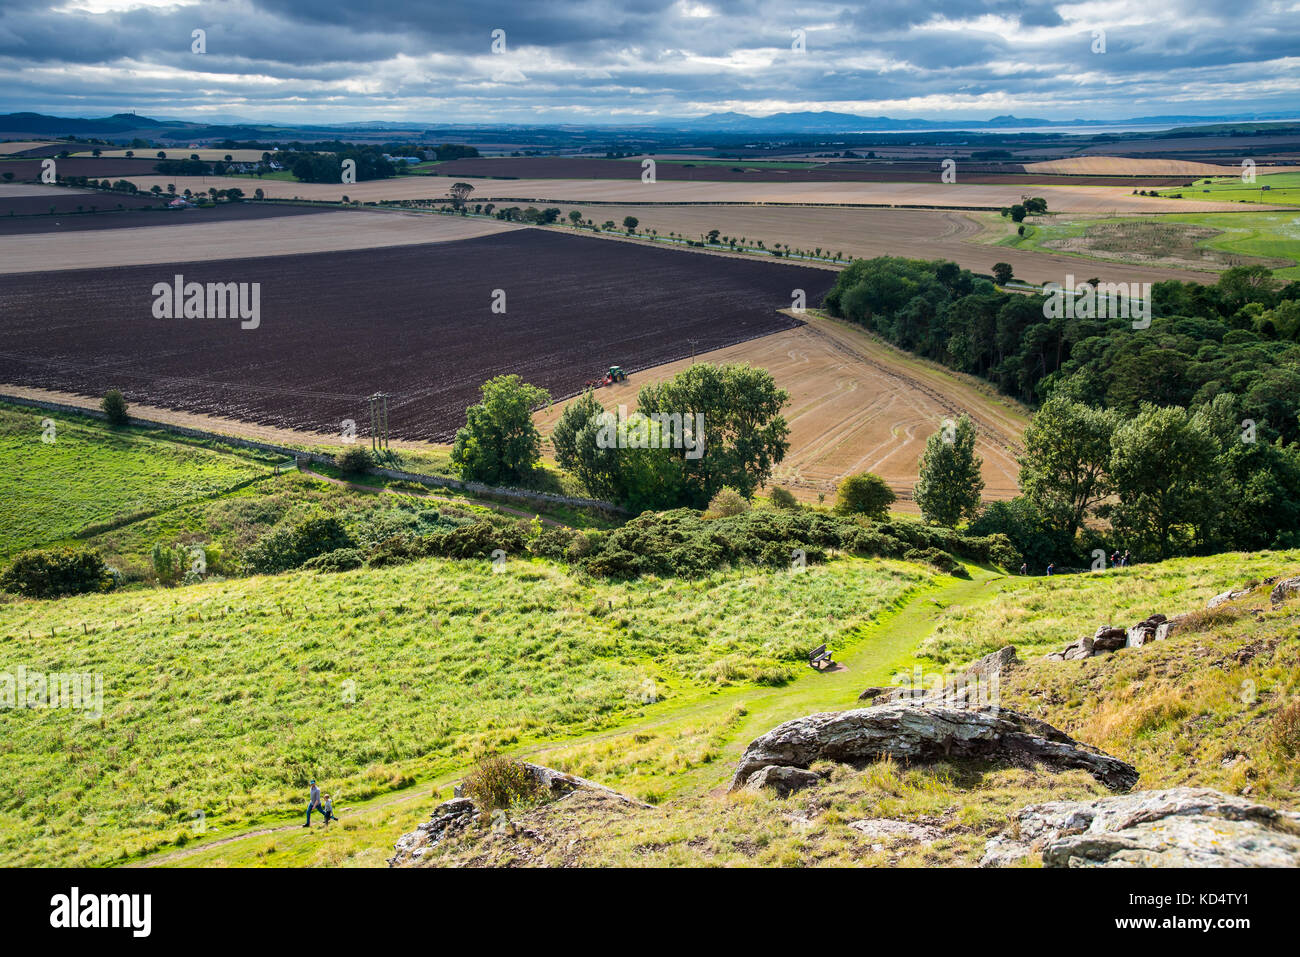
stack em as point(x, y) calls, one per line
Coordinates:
point(114, 406)
point(726, 504)
point(501, 783)
point(865, 494)
point(355, 458)
point(339, 560)
point(53, 573)
point(288, 546)
point(936, 558)
point(1284, 732)
point(782, 498)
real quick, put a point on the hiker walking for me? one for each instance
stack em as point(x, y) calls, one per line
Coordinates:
point(1123, 562)
point(1024, 568)
point(314, 804)
point(1051, 567)
point(327, 809)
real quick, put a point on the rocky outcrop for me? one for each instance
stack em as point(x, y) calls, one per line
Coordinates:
point(1284, 590)
point(920, 732)
point(1179, 827)
point(970, 686)
point(782, 779)
point(1108, 638)
point(452, 817)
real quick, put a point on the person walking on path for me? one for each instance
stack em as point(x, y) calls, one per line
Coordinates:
point(327, 809)
point(314, 804)
point(1051, 567)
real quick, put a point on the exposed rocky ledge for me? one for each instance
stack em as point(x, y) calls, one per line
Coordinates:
point(919, 731)
point(452, 817)
point(1179, 827)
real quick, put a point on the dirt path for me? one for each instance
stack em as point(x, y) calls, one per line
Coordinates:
point(882, 648)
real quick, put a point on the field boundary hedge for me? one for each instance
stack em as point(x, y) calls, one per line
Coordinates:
point(438, 481)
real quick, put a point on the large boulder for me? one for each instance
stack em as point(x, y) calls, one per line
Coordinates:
point(1178, 827)
point(919, 732)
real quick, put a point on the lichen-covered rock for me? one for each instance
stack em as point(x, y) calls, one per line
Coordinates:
point(919, 732)
point(1178, 827)
point(449, 817)
point(1283, 590)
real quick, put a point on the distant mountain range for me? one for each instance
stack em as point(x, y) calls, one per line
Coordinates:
point(125, 126)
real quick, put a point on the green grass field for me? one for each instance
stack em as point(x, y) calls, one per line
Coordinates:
point(90, 475)
point(226, 697)
point(1208, 241)
point(1279, 188)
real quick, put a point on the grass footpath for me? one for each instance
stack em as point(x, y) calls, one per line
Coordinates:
point(676, 747)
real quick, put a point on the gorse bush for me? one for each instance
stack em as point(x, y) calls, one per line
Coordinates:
point(53, 573)
point(339, 560)
point(356, 458)
point(727, 503)
point(497, 782)
point(288, 546)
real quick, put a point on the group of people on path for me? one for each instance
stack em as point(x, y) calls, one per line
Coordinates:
point(326, 807)
point(1116, 561)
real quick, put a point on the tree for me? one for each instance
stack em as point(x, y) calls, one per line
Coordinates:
point(1035, 205)
point(745, 435)
point(1065, 468)
point(1162, 467)
point(1017, 213)
point(575, 216)
point(499, 442)
point(865, 494)
point(1002, 273)
point(114, 406)
point(950, 480)
point(459, 193)
point(630, 223)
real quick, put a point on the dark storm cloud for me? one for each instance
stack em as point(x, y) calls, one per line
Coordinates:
point(620, 59)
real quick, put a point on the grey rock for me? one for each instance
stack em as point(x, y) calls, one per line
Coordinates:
point(1178, 827)
point(1224, 597)
point(874, 692)
point(919, 732)
point(881, 829)
point(449, 817)
point(781, 779)
point(1283, 590)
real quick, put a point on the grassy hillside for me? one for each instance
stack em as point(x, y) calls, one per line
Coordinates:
point(90, 475)
point(1216, 706)
point(226, 697)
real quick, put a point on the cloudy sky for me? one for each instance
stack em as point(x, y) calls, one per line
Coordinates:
point(623, 60)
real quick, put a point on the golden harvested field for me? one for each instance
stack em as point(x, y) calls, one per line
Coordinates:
point(856, 405)
point(1125, 166)
point(1078, 199)
point(870, 232)
point(236, 239)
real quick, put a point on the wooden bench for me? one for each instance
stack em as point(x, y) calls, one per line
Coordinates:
point(820, 658)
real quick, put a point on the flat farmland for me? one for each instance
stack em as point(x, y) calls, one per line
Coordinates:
point(30, 168)
point(870, 232)
point(34, 199)
point(254, 237)
point(741, 171)
point(1081, 199)
point(413, 321)
point(132, 218)
point(857, 404)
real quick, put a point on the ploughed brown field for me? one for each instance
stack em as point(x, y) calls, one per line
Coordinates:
point(106, 219)
point(857, 405)
point(739, 171)
point(29, 170)
point(31, 199)
point(413, 321)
